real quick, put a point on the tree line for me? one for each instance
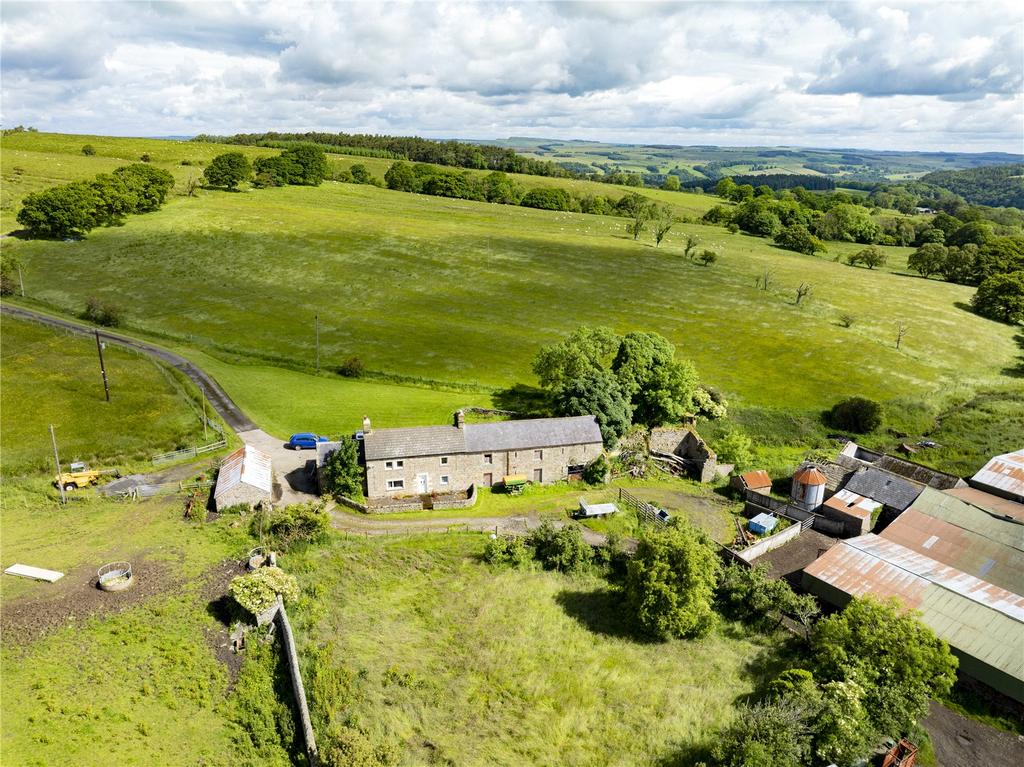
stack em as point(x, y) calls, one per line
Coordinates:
point(74, 209)
point(453, 153)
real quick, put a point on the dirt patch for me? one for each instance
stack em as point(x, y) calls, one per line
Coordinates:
point(77, 597)
point(709, 514)
point(789, 560)
point(220, 605)
point(961, 742)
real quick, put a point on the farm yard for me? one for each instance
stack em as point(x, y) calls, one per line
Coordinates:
point(425, 648)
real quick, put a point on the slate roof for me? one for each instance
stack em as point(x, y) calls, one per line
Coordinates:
point(885, 488)
point(384, 444)
point(533, 433)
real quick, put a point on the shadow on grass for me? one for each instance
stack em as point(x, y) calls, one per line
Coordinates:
point(601, 612)
point(760, 669)
point(226, 611)
point(687, 755)
point(1016, 371)
point(523, 400)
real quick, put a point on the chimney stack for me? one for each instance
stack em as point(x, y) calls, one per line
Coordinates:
point(460, 419)
point(367, 427)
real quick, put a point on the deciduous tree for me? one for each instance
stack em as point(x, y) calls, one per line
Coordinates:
point(598, 393)
point(1001, 297)
point(228, 170)
point(670, 582)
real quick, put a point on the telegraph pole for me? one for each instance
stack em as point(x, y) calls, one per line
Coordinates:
point(103, 368)
point(202, 392)
point(21, 280)
point(316, 320)
point(56, 459)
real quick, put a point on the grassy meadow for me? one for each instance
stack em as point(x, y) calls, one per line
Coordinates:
point(460, 295)
point(465, 664)
point(50, 377)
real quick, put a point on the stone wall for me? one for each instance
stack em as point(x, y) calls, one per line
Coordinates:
point(484, 469)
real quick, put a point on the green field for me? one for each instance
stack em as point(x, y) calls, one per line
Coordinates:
point(88, 683)
point(460, 294)
point(50, 377)
point(468, 665)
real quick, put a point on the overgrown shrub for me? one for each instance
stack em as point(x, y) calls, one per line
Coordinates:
point(332, 689)
point(352, 367)
point(506, 550)
point(560, 548)
point(735, 447)
point(102, 313)
point(264, 717)
point(856, 414)
point(749, 595)
point(88, 150)
point(671, 581)
point(342, 475)
point(300, 522)
point(257, 591)
point(596, 472)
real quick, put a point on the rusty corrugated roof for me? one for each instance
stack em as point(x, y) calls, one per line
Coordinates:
point(853, 504)
point(1004, 472)
point(1002, 507)
point(1007, 532)
point(755, 479)
point(810, 475)
point(870, 564)
point(976, 618)
point(247, 465)
point(959, 547)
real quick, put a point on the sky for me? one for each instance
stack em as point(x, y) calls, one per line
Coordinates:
point(881, 75)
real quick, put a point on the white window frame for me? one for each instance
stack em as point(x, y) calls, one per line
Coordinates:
point(538, 455)
point(488, 459)
point(396, 484)
point(445, 480)
point(392, 465)
point(444, 460)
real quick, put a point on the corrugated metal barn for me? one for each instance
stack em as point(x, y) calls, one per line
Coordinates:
point(983, 623)
point(245, 477)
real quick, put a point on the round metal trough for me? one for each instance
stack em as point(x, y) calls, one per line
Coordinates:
point(116, 576)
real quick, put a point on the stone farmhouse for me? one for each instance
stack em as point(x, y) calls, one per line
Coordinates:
point(428, 460)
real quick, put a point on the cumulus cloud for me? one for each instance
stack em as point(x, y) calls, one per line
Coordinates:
point(885, 75)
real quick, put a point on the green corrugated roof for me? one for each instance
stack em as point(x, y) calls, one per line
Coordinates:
point(975, 629)
point(970, 517)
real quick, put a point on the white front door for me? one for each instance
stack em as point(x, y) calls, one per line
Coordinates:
point(422, 483)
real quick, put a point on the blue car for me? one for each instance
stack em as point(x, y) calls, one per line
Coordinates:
point(304, 440)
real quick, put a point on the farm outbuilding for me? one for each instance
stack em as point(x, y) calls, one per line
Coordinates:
point(756, 481)
point(245, 477)
point(983, 623)
point(853, 510)
point(1003, 476)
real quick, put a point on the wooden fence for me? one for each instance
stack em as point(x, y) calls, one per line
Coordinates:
point(188, 452)
point(644, 510)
